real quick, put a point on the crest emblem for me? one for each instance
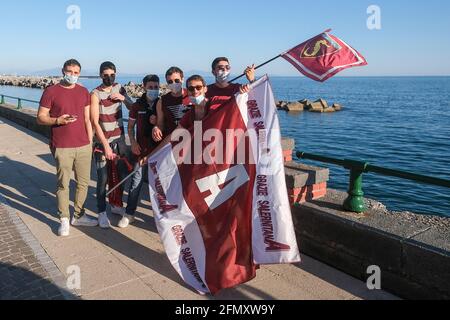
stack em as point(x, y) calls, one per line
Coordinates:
point(322, 45)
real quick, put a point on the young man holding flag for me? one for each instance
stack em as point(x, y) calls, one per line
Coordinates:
point(110, 150)
point(222, 88)
point(198, 92)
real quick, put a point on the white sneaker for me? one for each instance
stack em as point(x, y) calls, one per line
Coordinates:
point(64, 228)
point(84, 221)
point(103, 221)
point(201, 293)
point(118, 210)
point(125, 221)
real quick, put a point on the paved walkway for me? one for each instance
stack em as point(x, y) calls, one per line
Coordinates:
point(115, 263)
point(23, 273)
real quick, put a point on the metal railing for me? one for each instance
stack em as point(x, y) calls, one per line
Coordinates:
point(19, 100)
point(355, 200)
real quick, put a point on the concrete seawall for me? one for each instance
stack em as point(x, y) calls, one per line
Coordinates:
point(412, 251)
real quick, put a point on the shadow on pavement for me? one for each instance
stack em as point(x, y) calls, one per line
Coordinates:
point(17, 283)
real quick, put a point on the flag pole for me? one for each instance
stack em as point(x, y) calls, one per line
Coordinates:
point(159, 147)
point(135, 170)
point(123, 181)
point(263, 64)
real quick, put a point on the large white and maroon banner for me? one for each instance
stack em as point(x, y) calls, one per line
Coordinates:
point(219, 194)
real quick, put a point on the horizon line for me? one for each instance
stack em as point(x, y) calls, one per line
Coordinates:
point(126, 74)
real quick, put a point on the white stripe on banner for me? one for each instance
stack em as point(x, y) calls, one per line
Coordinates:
point(273, 236)
point(176, 225)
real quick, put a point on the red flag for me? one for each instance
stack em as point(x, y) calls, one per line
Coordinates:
point(323, 56)
point(115, 197)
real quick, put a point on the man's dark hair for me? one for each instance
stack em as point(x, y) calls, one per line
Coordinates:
point(71, 62)
point(195, 77)
point(107, 65)
point(217, 60)
point(150, 78)
point(173, 70)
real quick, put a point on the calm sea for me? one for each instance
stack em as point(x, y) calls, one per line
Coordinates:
point(400, 123)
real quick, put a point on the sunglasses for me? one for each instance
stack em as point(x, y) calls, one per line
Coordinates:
point(172, 81)
point(108, 75)
point(193, 88)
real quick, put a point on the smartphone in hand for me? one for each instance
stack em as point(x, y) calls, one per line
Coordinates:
point(72, 118)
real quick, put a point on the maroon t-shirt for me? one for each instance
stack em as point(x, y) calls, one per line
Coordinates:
point(223, 94)
point(174, 108)
point(62, 101)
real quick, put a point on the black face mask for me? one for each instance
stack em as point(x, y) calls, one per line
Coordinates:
point(108, 81)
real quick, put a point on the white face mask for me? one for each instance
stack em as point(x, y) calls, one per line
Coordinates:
point(197, 100)
point(176, 87)
point(222, 76)
point(153, 94)
point(70, 79)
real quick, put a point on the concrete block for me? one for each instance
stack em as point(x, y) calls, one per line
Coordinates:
point(299, 175)
point(337, 107)
point(295, 107)
point(297, 179)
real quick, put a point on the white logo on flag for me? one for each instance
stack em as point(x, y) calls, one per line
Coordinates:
point(218, 196)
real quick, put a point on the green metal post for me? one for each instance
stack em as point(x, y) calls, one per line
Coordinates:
point(355, 200)
point(3, 100)
point(19, 104)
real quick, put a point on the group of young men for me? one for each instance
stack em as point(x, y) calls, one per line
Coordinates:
point(86, 126)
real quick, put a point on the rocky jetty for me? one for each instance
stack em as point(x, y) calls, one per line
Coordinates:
point(319, 106)
point(134, 90)
point(29, 82)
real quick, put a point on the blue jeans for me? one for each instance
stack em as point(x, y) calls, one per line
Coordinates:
point(102, 180)
point(135, 189)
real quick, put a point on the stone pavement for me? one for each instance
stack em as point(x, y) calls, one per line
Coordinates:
point(115, 263)
point(22, 274)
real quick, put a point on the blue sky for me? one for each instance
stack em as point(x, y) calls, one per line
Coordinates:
point(150, 36)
